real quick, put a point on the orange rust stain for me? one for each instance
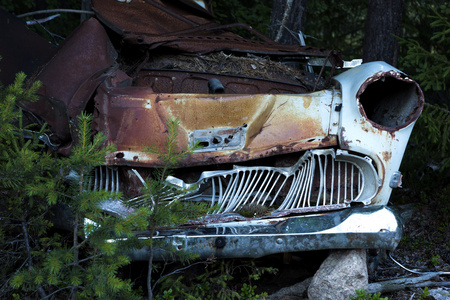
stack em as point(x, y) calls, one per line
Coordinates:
point(306, 101)
point(272, 121)
point(367, 127)
point(282, 133)
point(137, 129)
point(386, 155)
point(215, 112)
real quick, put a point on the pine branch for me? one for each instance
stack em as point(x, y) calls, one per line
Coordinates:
point(30, 259)
point(176, 272)
point(434, 106)
point(57, 291)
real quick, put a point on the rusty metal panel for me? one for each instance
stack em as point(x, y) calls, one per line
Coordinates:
point(133, 118)
point(171, 25)
point(71, 76)
point(149, 17)
point(85, 55)
point(201, 44)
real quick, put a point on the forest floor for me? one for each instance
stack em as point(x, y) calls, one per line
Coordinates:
point(425, 247)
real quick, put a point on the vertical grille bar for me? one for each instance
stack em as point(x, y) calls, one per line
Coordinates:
point(332, 184)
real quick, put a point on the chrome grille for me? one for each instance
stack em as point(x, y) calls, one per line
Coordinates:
point(319, 179)
point(106, 178)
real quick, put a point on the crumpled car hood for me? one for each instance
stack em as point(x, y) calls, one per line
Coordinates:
point(88, 59)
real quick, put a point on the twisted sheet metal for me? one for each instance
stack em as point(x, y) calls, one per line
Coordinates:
point(319, 179)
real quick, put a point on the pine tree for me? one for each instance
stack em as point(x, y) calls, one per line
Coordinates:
point(163, 202)
point(22, 161)
point(430, 65)
point(41, 263)
point(87, 265)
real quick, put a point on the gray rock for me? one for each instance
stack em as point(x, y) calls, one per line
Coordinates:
point(338, 277)
point(440, 293)
point(294, 292)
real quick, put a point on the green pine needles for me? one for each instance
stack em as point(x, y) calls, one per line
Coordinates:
point(40, 262)
point(86, 265)
point(221, 279)
point(23, 218)
point(431, 62)
point(162, 201)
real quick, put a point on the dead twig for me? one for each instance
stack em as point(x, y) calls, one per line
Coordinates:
point(43, 20)
point(403, 283)
point(51, 11)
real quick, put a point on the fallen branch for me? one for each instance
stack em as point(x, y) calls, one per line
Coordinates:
point(402, 283)
point(60, 10)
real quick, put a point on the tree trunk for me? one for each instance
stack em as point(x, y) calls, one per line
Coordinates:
point(384, 20)
point(149, 273)
point(287, 20)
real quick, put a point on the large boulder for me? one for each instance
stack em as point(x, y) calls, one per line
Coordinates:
point(338, 277)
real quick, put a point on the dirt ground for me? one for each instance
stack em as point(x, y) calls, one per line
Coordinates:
point(425, 247)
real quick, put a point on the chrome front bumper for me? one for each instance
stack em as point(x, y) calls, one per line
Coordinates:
point(360, 227)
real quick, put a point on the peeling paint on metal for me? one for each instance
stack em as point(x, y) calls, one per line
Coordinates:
point(268, 133)
point(387, 155)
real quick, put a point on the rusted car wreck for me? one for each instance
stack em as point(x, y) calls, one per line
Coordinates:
point(320, 156)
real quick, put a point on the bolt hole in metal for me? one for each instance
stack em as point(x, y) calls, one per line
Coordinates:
point(217, 140)
point(139, 39)
point(220, 242)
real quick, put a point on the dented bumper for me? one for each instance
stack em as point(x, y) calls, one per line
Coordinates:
point(377, 227)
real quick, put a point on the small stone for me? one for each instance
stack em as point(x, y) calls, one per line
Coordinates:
point(294, 292)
